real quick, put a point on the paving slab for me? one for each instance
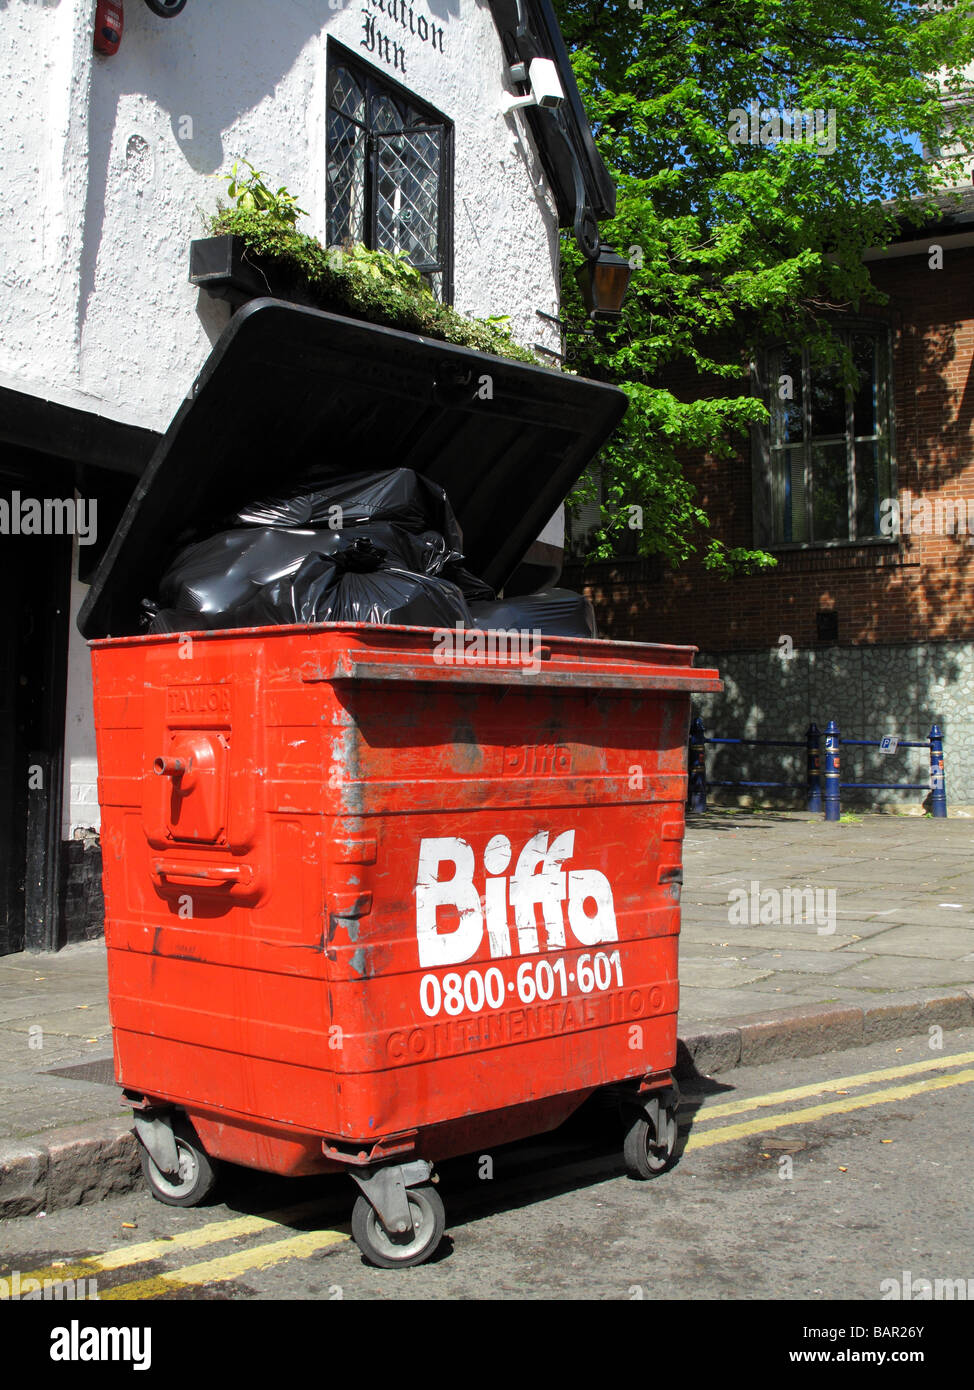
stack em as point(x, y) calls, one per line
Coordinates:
point(81, 1021)
point(717, 974)
point(802, 989)
point(859, 930)
point(934, 917)
point(907, 972)
point(938, 943)
point(756, 939)
point(804, 962)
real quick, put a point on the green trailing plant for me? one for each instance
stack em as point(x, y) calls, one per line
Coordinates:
point(351, 279)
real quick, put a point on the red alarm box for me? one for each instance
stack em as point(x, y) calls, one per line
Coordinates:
point(109, 23)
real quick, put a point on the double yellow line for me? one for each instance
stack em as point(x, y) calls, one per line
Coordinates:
point(702, 1137)
point(212, 1271)
point(706, 1133)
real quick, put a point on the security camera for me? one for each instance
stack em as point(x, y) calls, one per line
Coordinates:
point(545, 82)
point(546, 88)
point(166, 9)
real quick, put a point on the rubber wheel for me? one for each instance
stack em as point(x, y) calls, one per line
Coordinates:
point(645, 1155)
point(197, 1174)
point(394, 1251)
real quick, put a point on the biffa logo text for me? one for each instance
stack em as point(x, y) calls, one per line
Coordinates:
point(445, 880)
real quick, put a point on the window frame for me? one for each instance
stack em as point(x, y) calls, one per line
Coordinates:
point(764, 444)
point(375, 83)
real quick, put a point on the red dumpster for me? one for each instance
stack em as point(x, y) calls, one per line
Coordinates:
point(373, 899)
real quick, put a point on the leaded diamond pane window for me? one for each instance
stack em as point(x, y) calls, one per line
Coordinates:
point(388, 171)
point(407, 184)
point(346, 94)
point(346, 180)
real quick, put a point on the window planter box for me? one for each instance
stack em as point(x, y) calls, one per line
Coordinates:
point(227, 268)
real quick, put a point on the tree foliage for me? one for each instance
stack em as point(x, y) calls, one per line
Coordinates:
point(737, 244)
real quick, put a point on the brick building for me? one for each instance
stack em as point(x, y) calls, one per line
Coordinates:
point(867, 502)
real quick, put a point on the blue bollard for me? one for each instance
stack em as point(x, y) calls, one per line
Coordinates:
point(938, 788)
point(698, 766)
point(812, 739)
point(833, 744)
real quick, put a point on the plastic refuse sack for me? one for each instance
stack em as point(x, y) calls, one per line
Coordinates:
point(225, 570)
point(552, 612)
point(351, 584)
point(399, 496)
point(404, 516)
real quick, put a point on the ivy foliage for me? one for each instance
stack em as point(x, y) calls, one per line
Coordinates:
point(737, 245)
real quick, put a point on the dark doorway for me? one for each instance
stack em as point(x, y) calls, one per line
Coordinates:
point(35, 575)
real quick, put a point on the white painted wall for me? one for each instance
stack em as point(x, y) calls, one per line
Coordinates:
point(112, 163)
point(110, 166)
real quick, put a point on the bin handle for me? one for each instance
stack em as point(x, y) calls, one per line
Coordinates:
point(584, 680)
point(208, 873)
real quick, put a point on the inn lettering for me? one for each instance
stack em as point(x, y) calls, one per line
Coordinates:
point(384, 44)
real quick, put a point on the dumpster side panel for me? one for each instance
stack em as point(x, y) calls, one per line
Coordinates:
point(214, 889)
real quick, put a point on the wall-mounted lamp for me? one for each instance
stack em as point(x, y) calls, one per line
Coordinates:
point(546, 89)
point(603, 280)
point(604, 275)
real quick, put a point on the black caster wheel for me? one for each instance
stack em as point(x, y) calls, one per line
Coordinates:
point(647, 1154)
point(390, 1250)
point(165, 9)
point(197, 1174)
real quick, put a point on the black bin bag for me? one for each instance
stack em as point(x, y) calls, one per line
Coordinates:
point(397, 521)
point(218, 574)
point(350, 584)
point(400, 496)
point(401, 510)
point(552, 612)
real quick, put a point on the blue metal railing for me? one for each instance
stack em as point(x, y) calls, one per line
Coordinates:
point(825, 798)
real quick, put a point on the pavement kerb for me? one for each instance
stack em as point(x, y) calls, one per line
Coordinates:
point(813, 1030)
point(69, 1167)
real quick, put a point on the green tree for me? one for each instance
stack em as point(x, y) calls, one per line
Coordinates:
point(735, 242)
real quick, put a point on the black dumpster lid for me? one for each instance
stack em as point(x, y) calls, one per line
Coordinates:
point(288, 388)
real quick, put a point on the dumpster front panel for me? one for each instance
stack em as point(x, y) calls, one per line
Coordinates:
point(517, 931)
point(395, 892)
